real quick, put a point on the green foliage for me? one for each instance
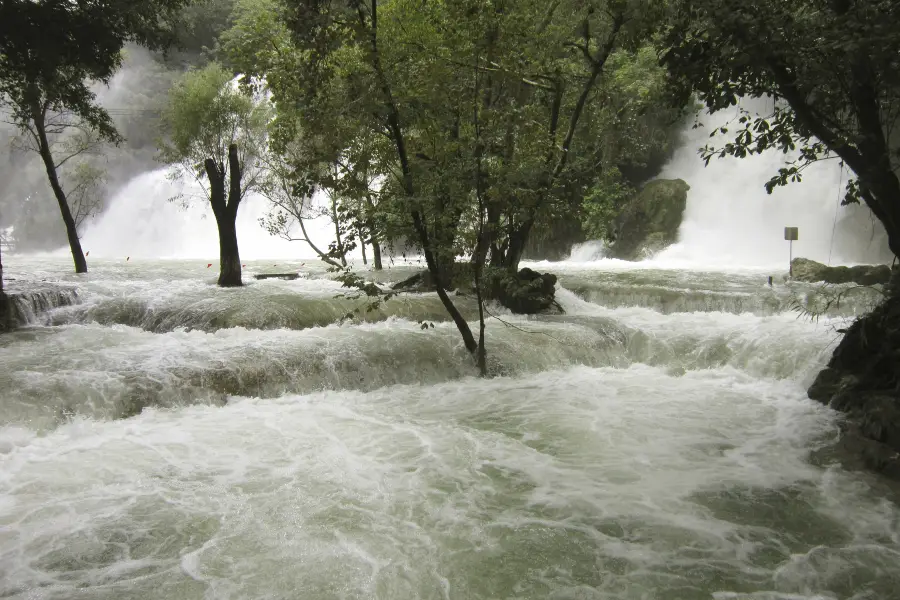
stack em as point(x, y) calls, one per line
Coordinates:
point(50, 51)
point(374, 296)
point(206, 114)
point(603, 203)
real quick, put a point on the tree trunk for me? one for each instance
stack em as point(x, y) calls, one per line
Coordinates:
point(229, 257)
point(517, 241)
point(376, 252)
point(362, 245)
point(64, 209)
point(225, 211)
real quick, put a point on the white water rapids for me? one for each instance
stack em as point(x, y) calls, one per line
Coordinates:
point(165, 439)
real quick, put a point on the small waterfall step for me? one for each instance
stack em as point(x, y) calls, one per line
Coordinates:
point(27, 306)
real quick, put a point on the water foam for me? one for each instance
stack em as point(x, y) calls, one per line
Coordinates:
point(589, 483)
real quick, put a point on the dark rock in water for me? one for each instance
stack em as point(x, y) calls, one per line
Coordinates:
point(862, 379)
point(6, 322)
point(803, 269)
point(418, 283)
point(526, 292)
point(650, 221)
point(285, 276)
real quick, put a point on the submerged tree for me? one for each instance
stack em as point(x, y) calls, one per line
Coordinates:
point(216, 134)
point(50, 52)
point(832, 69)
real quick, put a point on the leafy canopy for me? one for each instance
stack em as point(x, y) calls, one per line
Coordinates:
point(206, 114)
point(50, 50)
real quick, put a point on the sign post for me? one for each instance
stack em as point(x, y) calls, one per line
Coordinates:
point(791, 234)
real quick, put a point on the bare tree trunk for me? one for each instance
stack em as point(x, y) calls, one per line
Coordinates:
point(362, 244)
point(64, 209)
point(225, 211)
point(376, 252)
point(229, 256)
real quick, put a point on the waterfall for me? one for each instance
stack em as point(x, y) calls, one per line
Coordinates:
point(731, 220)
point(142, 222)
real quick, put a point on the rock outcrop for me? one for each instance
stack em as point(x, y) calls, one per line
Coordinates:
point(650, 221)
point(862, 379)
point(525, 292)
point(803, 269)
point(28, 306)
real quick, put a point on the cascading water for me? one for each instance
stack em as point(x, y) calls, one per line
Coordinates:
point(164, 438)
point(730, 220)
point(142, 222)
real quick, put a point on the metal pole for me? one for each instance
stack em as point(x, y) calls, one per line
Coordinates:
point(791, 259)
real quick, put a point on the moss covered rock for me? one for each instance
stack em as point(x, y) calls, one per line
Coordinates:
point(650, 221)
point(803, 269)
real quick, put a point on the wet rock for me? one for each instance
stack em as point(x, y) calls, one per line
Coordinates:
point(5, 313)
point(803, 269)
point(28, 306)
point(862, 379)
point(527, 292)
point(650, 221)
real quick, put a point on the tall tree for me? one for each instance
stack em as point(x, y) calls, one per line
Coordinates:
point(49, 53)
point(832, 69)
point(216, 134)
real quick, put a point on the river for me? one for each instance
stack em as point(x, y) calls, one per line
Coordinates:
point(163, 438)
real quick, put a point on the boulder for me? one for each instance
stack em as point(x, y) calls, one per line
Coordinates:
point(650, 220)
point(862, 379)
point(527, 292)
point(803, 269)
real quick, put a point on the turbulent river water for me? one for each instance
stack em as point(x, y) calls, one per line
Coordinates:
point(165, 439)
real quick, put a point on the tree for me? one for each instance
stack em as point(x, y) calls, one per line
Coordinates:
point(61, 138)
point(50, 51)
point(216, 134)
point(477, 119)
point(832, 69)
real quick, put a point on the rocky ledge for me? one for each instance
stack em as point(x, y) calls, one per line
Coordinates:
point(803, 269)
point(862, 379)
point(26, 304)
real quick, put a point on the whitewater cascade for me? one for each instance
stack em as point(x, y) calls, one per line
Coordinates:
point(164, 438)
point(731, 220)
point(141, 221)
